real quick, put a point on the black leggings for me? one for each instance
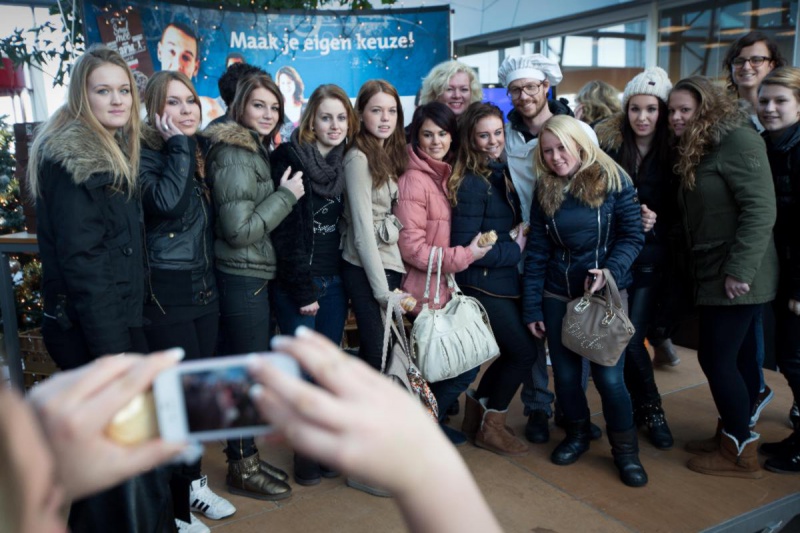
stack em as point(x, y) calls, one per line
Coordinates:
point(367, 311)
point(642, 302)
point(727, 354)
point(518, 351)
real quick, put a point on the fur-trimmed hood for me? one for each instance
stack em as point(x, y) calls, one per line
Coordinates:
point(151, 138)
point(234, 134)
point(609, 132)
point(727, 123)
point(589, 187)
point(77, 149)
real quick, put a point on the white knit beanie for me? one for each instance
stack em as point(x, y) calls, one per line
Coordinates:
point(653, 81)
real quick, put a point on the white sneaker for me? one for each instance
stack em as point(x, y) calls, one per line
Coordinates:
point(203, 500)
point(195, 526)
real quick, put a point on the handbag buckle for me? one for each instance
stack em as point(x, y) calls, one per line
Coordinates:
point(610, 316)
point(582, 306)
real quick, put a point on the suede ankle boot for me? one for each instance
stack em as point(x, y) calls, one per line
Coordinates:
point(246, 478)
point(473, 414)
point(708, 445)
point(625, 449)
point(731, 459)
point(574, 444)
point(651, 415)
point(495, 436)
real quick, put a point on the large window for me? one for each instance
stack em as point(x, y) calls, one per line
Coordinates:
point(693, 39)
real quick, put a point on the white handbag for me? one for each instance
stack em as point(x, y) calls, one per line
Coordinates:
point(449, 341)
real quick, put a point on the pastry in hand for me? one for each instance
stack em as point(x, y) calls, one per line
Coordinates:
point(487, 239)
point(526, 228)
point(136, 422)
point(408, 303)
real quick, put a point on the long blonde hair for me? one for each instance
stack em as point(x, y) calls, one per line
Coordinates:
point(119, 150)
point(568, 130)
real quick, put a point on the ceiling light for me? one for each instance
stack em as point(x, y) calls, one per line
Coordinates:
point(673, 29)
point(764, 11)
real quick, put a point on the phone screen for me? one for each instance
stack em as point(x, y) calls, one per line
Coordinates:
point(219, 399)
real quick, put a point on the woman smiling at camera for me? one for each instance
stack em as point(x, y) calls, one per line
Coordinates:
point(727, 204)
point(249, 206)
point(584, 218)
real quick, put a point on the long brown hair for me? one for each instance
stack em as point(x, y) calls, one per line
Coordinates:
point(155, 93)
point(385, 162)
point(120, 150)
point(714, 105)
point(306, 128)
point(244, 89)
point(470, 158)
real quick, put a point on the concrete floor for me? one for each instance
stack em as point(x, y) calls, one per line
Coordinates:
point(530, 494)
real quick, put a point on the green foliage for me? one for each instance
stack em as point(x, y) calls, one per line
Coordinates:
point(48, 49)
point(11, 217)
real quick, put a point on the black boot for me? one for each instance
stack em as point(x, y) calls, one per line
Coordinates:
point(574, 444)
point(651, 415)
point(625, 449)
point(783, 448)
point(789, 461)
point(595, 433)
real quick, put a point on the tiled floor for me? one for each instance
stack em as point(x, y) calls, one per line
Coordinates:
point(530, 494)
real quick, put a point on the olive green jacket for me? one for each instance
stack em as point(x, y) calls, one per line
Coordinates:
point(728, 217)
point(248, 206)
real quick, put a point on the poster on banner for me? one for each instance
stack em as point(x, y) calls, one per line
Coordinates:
point(299, 49)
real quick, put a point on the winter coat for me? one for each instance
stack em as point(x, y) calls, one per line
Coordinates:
point(520, 144)
point(90, 242)
point(656, 187)
point(784, 160)
point(371, 230)
point(294, 238)
point(425, 213)
point(485, 205)
point(576, 230)
point(728, 217)
point(248, 205)
point(179, 224)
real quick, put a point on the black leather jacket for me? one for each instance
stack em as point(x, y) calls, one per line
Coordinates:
point(179, 223)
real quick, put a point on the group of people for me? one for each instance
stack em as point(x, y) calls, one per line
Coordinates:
point(154, 234)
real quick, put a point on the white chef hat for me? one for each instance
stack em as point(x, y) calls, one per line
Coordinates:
point(536, 66)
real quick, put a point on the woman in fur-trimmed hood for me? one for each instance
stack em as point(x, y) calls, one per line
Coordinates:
point(727, 205)
point(584, 218)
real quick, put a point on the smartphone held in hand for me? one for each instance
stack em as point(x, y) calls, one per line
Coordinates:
point(209, 399)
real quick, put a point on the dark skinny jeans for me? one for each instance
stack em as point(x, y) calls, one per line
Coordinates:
point(643, 297)
point(517, 345)
point(567, 369)
point(727, 352)
point(787, 337)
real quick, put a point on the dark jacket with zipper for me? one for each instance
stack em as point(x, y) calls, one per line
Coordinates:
point(578, 229)
point(179, 222)
point(248, 206)
point(784, 160)
point(485, 205)
point(90, 242)
point(656, 187)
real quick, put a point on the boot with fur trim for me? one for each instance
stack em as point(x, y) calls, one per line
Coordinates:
point(495, 436)
point(708, 445)
point(731, 459)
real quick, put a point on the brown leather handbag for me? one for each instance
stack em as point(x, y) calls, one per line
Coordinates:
point(596, 326)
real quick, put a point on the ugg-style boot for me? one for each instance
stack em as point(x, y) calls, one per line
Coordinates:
point(495, 436)
point(708, 445)
point(246, 478)
point(575, 444)
point(473, 414)
point(651, 415)
point(731, 459)
point(625, 449)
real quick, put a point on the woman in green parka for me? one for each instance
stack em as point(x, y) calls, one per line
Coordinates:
point(727, 204)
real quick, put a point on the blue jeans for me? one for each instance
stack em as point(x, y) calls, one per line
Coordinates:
point(330, 318)
point(567, 375)
point(448, 390)
point(244, 328)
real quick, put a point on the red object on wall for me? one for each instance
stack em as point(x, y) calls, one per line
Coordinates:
point(12, 80)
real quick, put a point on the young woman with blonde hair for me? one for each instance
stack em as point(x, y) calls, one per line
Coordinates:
point(584, 218)
point(727, 204)
point(84, 173)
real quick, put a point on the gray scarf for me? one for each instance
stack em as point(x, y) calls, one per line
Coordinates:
point(326, 174)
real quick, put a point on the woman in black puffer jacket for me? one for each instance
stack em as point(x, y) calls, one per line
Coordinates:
point(584, 218)
point(779, 112)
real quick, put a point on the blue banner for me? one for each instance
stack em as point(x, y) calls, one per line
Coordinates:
point(345, 48)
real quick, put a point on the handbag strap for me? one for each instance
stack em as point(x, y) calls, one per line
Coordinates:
point(611, 283)
point(393, 313)
point(431, 258)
